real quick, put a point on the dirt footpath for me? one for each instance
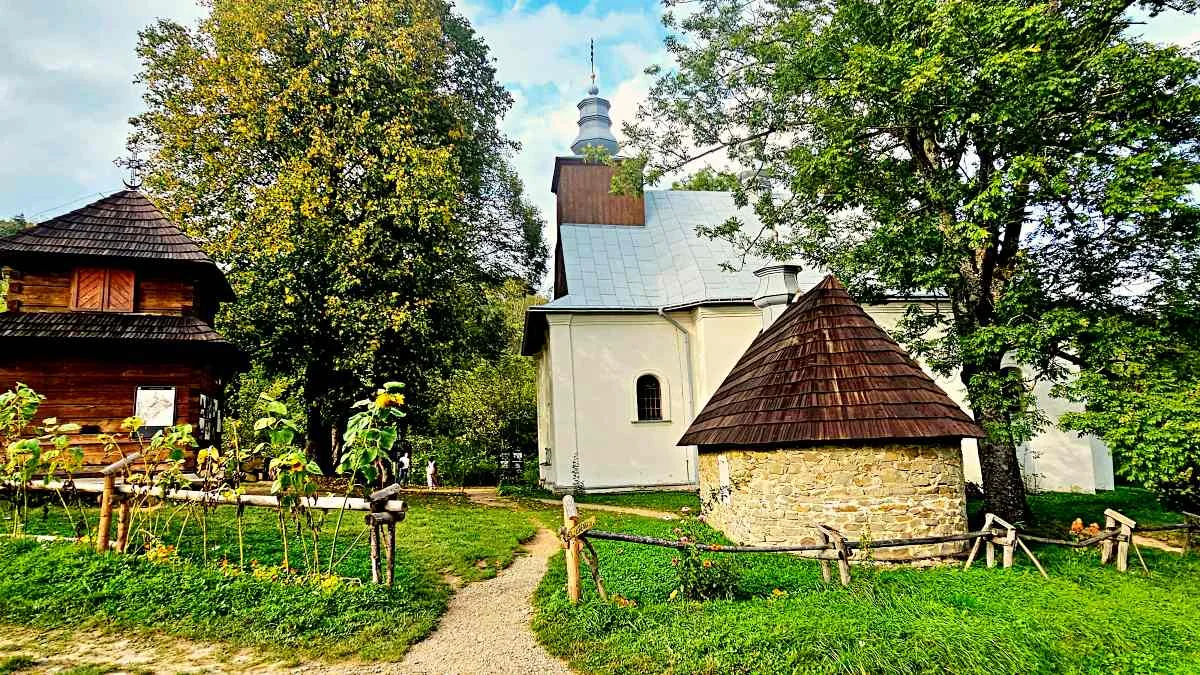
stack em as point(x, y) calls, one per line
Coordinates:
point(486, 629)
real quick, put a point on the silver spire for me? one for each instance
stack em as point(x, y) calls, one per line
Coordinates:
point(595, 126)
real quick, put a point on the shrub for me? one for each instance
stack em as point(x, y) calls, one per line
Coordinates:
point(701, 577)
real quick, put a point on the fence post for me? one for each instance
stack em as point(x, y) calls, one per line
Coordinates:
point(843, 553)
point(823, 539)
point(570, 517)
point(106, 499)
point(987, 527)
point(123, 518)
point(106, 509)
point(1111, 519)
point(1008, 544)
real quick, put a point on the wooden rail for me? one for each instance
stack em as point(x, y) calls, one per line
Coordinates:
point(382, 512)
point(831, 545)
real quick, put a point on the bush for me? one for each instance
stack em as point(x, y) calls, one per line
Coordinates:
point(702, 577)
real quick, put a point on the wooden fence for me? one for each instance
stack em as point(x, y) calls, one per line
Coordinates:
point(832, 546)
point(382, 512)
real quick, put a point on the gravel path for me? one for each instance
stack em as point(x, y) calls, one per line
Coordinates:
point(486, 629)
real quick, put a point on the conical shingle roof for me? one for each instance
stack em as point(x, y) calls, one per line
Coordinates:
point(122, 225)
point(826, 372)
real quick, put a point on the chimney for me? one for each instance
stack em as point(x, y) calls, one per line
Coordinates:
point(777, 285)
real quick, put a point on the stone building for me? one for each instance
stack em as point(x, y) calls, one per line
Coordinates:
point(825, 419)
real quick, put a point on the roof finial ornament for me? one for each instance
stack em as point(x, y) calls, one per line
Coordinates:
point(593, 90)
point(135, 181)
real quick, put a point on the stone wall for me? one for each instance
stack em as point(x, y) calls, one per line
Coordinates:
point(774, 497)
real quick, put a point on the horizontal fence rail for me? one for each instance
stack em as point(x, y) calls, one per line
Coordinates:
point(1115, 540)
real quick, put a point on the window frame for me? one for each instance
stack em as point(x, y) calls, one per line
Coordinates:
point(664, 399)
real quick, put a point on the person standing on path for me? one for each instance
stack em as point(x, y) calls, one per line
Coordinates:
point(404, 465)
point(431, 474)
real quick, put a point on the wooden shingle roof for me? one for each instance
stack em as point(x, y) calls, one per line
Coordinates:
point(123, 225)
point(825, 372)
point(106, 326)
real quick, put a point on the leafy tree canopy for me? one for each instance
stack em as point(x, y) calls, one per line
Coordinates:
point(708, 179)
point(1032, 162)
point(344, 161)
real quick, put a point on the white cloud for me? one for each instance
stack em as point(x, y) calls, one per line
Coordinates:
point(66, 92)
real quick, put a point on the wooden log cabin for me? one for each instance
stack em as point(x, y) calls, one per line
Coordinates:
point(110, 314)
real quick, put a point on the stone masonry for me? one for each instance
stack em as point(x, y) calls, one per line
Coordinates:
point(774, 497)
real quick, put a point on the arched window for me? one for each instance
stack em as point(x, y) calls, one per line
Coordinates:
point(649, 398)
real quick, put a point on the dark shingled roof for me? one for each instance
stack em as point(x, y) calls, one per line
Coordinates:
point(124, 226)
point(826, 372)
point(111, 326)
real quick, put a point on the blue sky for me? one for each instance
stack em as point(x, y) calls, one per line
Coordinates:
point(67, 69)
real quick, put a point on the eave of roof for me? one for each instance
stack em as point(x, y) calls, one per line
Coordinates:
point(112, 328)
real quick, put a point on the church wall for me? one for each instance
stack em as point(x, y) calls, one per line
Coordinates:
point(596, 360)
point(586, 401)
point(1053, 460)
point(776, 496)
point(722, 335)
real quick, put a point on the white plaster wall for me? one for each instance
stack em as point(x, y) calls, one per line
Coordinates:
point(596, 360)
point(586, 401)
point(722, 335)
point(1054, 460)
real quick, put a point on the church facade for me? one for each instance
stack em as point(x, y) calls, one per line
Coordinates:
point(646, 322)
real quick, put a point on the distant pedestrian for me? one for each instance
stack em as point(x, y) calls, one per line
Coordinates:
point(431, 474)
point(404, 465)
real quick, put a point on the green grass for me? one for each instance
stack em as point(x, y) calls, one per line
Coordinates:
point(1056, 510)
point(1083, 619)
point(657, 501)
point(63, 585)
point(670, 501)
point(15, 664)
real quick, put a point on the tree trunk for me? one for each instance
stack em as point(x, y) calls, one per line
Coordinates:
point(1003, 488)
point(319, 431)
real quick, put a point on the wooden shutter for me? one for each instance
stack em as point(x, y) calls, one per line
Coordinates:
point(87, 291)
point(120, 291)
point(99, 289)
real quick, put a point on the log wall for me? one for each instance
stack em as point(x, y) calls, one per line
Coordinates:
point(49, 290)
point(99, 393)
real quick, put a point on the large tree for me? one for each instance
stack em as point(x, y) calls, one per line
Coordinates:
point(1030, 161)
point(342, 159)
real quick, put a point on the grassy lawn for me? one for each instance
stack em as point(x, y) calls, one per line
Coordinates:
point(62, 585)
point(657, 501)
point(785, 620)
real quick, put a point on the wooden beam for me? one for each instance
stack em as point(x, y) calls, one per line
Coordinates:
point(120, 465)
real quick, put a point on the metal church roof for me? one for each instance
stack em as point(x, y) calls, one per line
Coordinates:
point(663, 263)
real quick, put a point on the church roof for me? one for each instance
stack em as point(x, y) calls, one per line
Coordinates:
point(663, 263)
point(123, 226)
point(825, 372)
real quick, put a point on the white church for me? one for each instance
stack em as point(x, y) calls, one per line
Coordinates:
point(645, 324)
